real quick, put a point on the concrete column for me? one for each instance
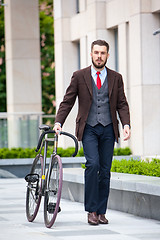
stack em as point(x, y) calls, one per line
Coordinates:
point(66, 55)
point(122, 47)
point(145, 84)
point(22, 60)
point(135, 65)
point(123, 59)
point(83, 52)
point(150, 84)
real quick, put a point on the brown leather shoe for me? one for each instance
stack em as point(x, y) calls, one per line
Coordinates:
point(102, 219)
point(93, 218)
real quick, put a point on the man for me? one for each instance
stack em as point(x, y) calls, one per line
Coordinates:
point(100, 95)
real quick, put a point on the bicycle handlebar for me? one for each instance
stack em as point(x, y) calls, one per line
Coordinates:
point(61, 132)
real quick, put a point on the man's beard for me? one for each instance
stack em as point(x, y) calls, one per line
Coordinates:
point(99, 66)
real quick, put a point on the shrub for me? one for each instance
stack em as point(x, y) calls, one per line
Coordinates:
point(122, 151)
point(137, 167)
point(124, 166)
point(6, 153)
point(66, 152)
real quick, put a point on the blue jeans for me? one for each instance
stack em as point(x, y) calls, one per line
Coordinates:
point(98, 145)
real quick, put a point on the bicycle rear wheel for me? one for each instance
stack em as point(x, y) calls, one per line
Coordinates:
point(34, 188)
point(53, 192)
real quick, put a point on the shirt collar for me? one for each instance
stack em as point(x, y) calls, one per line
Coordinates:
point(94, 72)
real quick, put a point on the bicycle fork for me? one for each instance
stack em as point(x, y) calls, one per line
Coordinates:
point(52, 159)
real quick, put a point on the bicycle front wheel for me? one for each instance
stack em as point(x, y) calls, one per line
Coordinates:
point(34, 189)
point(53, 192)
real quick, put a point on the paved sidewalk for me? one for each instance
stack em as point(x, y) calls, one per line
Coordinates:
point(71, 223)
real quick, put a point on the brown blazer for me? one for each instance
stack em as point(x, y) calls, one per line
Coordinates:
point(81, 86)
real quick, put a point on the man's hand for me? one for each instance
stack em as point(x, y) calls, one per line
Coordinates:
point(57, 128)
point(126, 133)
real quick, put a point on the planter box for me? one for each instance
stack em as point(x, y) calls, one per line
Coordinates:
point(20, 167)
point(135, 194)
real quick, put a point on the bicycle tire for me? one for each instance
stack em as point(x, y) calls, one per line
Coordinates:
point(53, 193)
point(34, 191)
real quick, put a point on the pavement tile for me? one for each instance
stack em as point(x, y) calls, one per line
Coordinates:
point(70, 224)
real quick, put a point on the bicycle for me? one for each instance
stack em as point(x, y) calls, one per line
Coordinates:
point(46, 182)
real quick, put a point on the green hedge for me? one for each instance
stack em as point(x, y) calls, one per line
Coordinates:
point(136, 167)
point(124, 166)
point(6, 153)
point(122, 151)
point(132, 166)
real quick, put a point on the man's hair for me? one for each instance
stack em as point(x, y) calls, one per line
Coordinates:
point(100, 43)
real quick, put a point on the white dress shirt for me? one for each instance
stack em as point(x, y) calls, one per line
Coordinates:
point(102, 75)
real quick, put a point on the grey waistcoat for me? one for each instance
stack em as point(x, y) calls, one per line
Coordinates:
point(100, 109)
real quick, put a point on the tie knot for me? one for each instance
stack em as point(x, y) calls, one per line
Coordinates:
point(98, 73)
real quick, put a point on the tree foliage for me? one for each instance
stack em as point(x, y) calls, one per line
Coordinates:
point(47, 55)
point(2, 63)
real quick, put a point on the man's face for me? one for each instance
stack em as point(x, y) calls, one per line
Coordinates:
point(99, 56)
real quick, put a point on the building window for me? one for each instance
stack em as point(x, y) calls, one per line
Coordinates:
point(116, 49)
point(77, 6)
point(78, 55)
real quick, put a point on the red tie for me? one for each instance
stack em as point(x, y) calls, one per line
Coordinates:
point(98, 81)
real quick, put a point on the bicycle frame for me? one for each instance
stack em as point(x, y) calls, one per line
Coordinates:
point(45, 175)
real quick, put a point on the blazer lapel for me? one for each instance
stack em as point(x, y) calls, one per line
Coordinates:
point(88, 79)
point(110, 81)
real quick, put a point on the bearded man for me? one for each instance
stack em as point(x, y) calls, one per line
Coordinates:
point(101, 96)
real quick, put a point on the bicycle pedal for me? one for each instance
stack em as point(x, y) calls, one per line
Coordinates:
point(59, 209)
point(32, 178)
point(51, 208)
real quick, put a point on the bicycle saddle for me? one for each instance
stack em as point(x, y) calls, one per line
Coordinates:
point(44, 127)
